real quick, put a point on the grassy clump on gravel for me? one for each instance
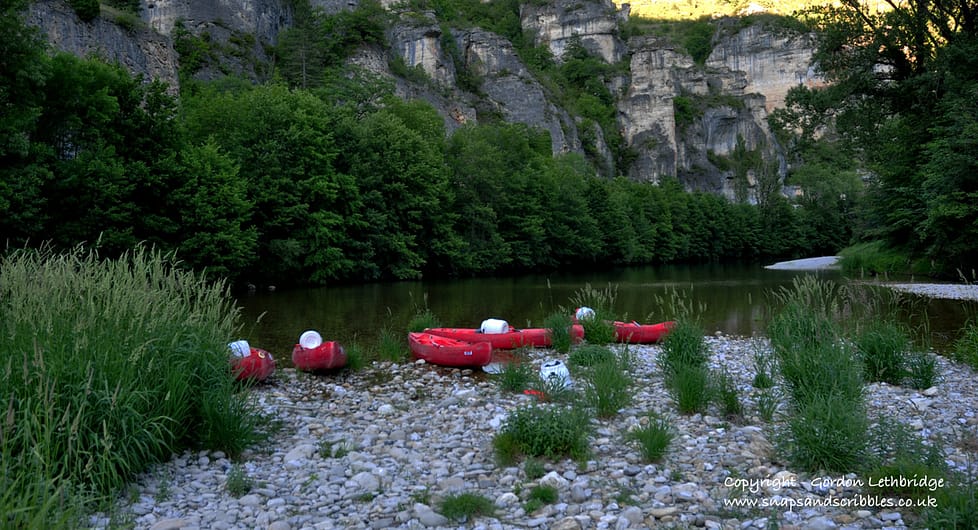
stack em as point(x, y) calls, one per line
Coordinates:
point(109, 366)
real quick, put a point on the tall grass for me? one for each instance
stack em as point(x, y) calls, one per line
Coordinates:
point(884, 347)
point(599, 328)
point(685, 345)
point(607, 387)
point(109, 366)
point(543, 431)
point(559, 325)
point(822, 375)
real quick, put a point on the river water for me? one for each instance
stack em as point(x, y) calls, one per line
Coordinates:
point(734, 299)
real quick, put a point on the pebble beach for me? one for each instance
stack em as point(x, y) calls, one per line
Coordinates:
point(380, 448)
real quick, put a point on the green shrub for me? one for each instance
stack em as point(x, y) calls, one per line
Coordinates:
point(238, 482)
point(725, 393)
point(873, 258)
point(923, 371)
point(539, 495)
point(826, 434)
point(764, 367)
point(559, 325)
point(965, 349)
point(768, 402)
point(590, 355)
point(883, 347)
point(684, 346)
point(109, 367)
point(356, 358)
point(464, 506)
point(515, 377)
point(653, 439)
point(689, 386)
point(547, 431)
point(956, 507)
point(423, 320)
point(598, 329)
point(533, 468)
point(607, 388)
point(392, 346)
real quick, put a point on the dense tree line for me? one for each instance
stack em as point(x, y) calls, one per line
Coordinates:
point(337, 182)
point(901, 109)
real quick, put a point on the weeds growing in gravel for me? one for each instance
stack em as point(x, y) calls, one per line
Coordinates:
point(238, 482)
point(689, 386)
point(422, 320)
point(725, 393)
point(559, 325)
point(654, 438)
point(392, 346)
point(587, 355)
point(463, 507)
point(922, 370)
point(685, 345)
point(545, 431)
point(515, 377)
point(539, 496)
point(533, 468)
point(883, 347)
point(607, 387)
point(966, 347)
point(598, 329)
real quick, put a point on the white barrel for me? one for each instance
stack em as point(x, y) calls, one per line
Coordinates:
point(555, 373)
point(310, 339)
point(240, 348)
point(494, 325)
point(584, 313)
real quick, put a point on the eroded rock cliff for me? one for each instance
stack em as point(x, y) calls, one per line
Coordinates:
point(675, 117)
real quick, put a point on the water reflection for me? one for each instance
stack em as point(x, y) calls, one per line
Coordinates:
point(736, 299)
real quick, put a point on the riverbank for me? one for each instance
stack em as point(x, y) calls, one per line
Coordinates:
point(379, 448)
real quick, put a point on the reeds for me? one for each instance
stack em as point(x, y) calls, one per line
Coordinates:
point(109, 366)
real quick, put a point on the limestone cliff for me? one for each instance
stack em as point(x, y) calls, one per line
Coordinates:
point(675, 117)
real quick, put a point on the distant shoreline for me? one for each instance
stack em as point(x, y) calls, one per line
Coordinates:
point(948, 291)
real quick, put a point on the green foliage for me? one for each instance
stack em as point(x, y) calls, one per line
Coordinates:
point(559, 324)
point(683, 346)
point(873, 258)
point(87, 10)
point(515, 377)
point(356, 357)
point(533, 468)
point(883, 346)
point(114, 378)
point(588, 355)
point(923, 370)
point(422, 320)
point(391, 346)
point(462, 507)
point(823, 376)
point(607, 387)
point(653, 438)
point(599, 328)
point(685, 111)
point(725, 393)
point(539, 495)
point(546, 431)
point(965, 348)
point(238, 482)
point(689, 386)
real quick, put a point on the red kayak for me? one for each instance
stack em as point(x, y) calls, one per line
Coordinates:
point(635, 333)
point(514, 338)
point(256, 366)
point(449, 352)
point(326, 356)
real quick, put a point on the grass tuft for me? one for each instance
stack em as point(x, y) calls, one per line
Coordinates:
point(654, 438)
point(464, 506)
point(543, 431)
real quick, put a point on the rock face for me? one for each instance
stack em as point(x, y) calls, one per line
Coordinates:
point(594, 23)
point(676, 118)
point(139, 50)
point(773, 61)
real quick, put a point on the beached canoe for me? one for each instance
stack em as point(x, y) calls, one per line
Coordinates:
point(635, 333)
point(514, 338)
point(326, 356)
point(446, 351)
point(256, 366)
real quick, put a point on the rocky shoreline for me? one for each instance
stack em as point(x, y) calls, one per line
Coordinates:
point(379, 448)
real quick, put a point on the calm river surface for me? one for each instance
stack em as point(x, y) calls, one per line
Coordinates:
point(735, 299)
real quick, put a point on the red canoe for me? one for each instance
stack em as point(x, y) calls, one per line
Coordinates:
point(257, 366)
point(635, 333)
point(449, 352)
point(515, 338)
point(326, 356)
